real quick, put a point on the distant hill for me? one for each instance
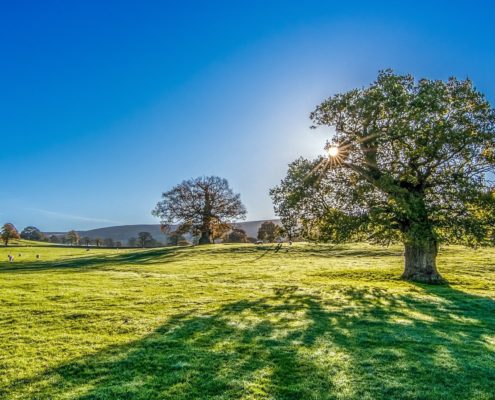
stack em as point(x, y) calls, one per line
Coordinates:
point(124, 232)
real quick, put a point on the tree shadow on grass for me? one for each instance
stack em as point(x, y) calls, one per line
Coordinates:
point(89, 262)
point(362, 343)
point(94, 259)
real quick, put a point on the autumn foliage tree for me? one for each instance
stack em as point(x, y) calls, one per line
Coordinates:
point(409, 161)
point(204, 206)
point(9, 232)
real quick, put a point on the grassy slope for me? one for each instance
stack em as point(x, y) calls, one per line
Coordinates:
point(26, 243)
point(237, 322)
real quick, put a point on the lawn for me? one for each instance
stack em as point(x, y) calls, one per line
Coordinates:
point(244, 322)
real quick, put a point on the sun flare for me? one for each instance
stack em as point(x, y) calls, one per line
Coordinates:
point(333, 151)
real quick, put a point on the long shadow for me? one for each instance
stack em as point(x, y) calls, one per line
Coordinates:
point(364, 343)
point(167, 254)
point(155, 256)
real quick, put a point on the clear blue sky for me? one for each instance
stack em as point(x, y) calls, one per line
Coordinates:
point(104, 105)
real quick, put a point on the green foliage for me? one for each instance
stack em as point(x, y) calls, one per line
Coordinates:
point(32, 233)
point(237, 235)
point(72, 237)
point(173, 238)
point(410, 161)
point(421, 151)
point(109, 242)
point(145, 239)
point(54, 239)
point(413, 162)
point(243, 322)
point(268, 231)
point(309, 202)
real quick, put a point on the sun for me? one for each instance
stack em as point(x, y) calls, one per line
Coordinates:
point(333, 151)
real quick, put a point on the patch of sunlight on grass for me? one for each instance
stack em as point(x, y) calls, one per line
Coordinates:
point(416, 315)
point(241, 321)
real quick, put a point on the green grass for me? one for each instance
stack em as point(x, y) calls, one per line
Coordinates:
point(244, 322)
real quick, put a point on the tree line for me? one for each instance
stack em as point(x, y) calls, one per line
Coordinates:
point(268, 232)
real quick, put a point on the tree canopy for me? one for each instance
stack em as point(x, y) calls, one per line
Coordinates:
point(410, 160)
point(236, 235)
point(145, 239)
point(32, 233)
point(268, 231)
point(73, 237)
point(204, 206)
point(9, 232)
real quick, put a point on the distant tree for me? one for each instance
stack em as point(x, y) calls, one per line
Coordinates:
point(98, 241)
point(73, 237)
point(118, 243)
point(201, 206)
point(109, 242)
point(132, 242)
point(251, 239)
point(236, 235)
point(86, 240)
point(54, 239)
point(268, 231)
point(173, 238)
point(9, 232)
point(145, 239)
point(410, 161)
point(32, 233)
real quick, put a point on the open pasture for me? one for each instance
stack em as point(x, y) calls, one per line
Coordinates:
point(244, 322)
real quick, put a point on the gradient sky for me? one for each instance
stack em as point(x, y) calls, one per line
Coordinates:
point(104, 105)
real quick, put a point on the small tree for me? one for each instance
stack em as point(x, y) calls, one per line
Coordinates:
point(132, 242)
point(54, 239)
point(9, 232)
point(32, 233)
point(268, 231)
point(409, 162)
point(173, 238)
point(145, 239)
point(109, 242)
point(98, 241)
point(86, 240)
point(73, 237)
point(201, 206)
point(237, 235)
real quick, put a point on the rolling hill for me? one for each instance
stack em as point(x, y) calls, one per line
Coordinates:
point(124, 232)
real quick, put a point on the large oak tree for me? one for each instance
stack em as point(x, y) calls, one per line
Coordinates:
point(203, 206)
point(408, 161)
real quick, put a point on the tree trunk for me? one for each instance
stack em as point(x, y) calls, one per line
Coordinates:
point(205, 237)
point(420, 262)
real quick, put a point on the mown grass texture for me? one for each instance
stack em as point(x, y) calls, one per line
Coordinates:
point(244, 322)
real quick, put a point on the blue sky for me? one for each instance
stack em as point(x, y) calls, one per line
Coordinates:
point(104, 105)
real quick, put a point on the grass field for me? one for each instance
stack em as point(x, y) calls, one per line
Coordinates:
point(244, 322)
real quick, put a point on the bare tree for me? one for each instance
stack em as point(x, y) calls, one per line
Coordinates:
point(201, 206)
